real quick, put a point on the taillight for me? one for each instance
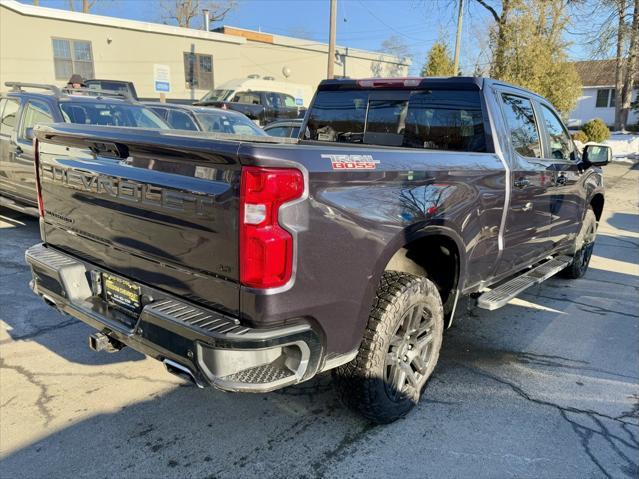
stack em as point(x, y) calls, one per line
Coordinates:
point(36, 164)
point(266, 249)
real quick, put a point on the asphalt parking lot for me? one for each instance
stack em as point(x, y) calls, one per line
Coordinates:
point(546, 387)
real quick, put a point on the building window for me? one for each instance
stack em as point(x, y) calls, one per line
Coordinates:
point(605, 98)
point(72, 56)
point(198, 71)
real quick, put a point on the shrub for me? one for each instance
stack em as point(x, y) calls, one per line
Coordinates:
point(580, 136)
point(596, 130)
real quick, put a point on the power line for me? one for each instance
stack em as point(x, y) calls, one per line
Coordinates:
point(387, 25)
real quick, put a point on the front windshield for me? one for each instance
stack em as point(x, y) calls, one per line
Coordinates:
point(220, 122)
point(111, 114)
point(217, 95)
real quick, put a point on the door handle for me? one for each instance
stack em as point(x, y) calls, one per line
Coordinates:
point(522, 183)
point(561, 180)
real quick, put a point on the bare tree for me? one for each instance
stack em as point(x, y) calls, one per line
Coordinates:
point(620, 10)
point(396, 47)
point(612, 26)
point(630, 70)
point(84, 6)
point(188, 13)
point(501, 17)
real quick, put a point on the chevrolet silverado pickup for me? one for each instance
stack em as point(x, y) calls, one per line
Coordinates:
point(255, 263)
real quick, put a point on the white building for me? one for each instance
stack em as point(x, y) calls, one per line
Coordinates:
point(598, 94)
point(46, 45)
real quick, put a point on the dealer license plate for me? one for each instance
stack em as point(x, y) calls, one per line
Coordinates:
point(120, 292)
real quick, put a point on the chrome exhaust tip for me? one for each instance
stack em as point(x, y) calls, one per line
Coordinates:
point(181, 371)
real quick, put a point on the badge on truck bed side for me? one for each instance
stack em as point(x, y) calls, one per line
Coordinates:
point(352, 162)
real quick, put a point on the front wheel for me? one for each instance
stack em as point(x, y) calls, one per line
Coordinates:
point(399, 350)
point(581, 259)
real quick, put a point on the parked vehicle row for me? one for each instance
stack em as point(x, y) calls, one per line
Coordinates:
point(254, 263)
point(22, 109)
point(94, 102)
point(184, 117)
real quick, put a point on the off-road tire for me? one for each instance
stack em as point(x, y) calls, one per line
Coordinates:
point(362, 383)
point(581, 259)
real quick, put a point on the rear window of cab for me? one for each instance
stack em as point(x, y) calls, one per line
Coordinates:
point(429, 119)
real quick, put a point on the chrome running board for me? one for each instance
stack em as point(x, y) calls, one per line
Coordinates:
point(499, 296)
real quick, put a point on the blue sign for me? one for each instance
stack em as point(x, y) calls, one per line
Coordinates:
point(162, 86)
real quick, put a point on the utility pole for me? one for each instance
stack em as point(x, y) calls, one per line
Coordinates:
point(331, 42)
point(460, 19)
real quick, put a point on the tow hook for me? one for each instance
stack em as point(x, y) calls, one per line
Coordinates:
point(103, 342)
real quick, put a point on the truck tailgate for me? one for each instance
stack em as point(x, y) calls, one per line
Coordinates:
point(154, 206)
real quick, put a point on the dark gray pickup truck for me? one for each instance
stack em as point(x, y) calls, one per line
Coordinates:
point(251, 264)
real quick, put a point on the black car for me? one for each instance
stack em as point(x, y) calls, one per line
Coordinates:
point(263, 107)
point(21, 109)
point(217, 120)
point(285, 128)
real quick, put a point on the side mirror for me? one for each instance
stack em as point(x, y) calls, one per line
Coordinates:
point(28, 133)
point(597, 155)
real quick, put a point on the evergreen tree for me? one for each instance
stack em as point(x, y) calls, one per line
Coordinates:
point(439, 62)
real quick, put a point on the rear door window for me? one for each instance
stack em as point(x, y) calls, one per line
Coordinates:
point(248, 97)
point(9, 118)
point(273, 99)
point(36, 112)
point(522, 126)
point(338, 116)
point(289, 101)
point(161, 112)
point(181, 121)
point(282, 131)
point(429, 119)
point(111, 114)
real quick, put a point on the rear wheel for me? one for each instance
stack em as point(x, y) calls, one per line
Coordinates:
point(399, 351)
point(581, 258)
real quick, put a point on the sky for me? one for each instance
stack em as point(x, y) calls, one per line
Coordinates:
point(360, 23)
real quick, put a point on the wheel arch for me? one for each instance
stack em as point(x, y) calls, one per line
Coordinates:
point(394, 255)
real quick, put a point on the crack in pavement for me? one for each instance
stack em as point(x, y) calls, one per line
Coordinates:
point(633, 244)
point(636, 288)
point(349, 442)
point(8, 401)
point(43, 398)
point(585, 433)
point(537, 359)
point(595, 309)
point(271, 441)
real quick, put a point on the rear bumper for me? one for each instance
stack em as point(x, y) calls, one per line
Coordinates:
point(214, 348)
